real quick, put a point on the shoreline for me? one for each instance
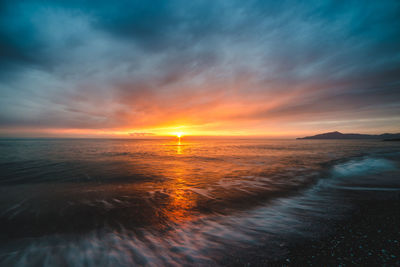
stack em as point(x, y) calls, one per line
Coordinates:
point(370, 236)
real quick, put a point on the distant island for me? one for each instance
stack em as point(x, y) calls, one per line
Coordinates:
point(339, 135)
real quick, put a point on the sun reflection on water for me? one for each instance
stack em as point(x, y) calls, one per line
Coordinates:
point(181, 199)
point(179, 147)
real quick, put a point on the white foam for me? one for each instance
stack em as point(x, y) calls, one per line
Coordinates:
point(202, 192)
point(363, 167)
point(190, 243)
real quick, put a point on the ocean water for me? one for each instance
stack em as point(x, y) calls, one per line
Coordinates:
point(98, 202)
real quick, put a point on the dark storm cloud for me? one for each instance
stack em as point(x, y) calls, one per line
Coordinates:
point(103, 64)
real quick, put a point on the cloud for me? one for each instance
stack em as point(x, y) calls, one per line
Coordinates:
point(146, 64)
point(141, 134)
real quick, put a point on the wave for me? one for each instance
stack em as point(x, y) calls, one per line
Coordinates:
point(363, 166)
point(180, 210)
point(202, 241)
point(199, 242)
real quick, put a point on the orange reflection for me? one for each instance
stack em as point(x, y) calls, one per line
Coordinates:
point(179, 147)
point(181, 198)
point(180, 205)
point(176, 201)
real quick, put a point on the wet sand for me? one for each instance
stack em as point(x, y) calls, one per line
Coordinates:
point(369, 236)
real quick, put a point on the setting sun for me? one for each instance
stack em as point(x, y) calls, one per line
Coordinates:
point(191, 133)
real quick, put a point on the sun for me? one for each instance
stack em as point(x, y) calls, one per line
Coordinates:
point(178, 132)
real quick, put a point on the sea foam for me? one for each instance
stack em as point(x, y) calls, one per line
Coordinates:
point(363, 166)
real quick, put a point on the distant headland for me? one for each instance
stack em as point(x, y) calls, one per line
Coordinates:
point(339, 135)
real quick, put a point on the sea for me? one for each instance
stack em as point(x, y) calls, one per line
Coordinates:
point(170, 202)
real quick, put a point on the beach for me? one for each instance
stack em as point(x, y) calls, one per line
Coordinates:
point(229, 202)
point(369, 236)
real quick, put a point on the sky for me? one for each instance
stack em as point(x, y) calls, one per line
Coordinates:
point(203, 67)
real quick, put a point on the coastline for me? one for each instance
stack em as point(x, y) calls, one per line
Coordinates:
point(370, 236)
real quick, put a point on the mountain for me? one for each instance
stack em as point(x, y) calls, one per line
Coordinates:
point(339, 135)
